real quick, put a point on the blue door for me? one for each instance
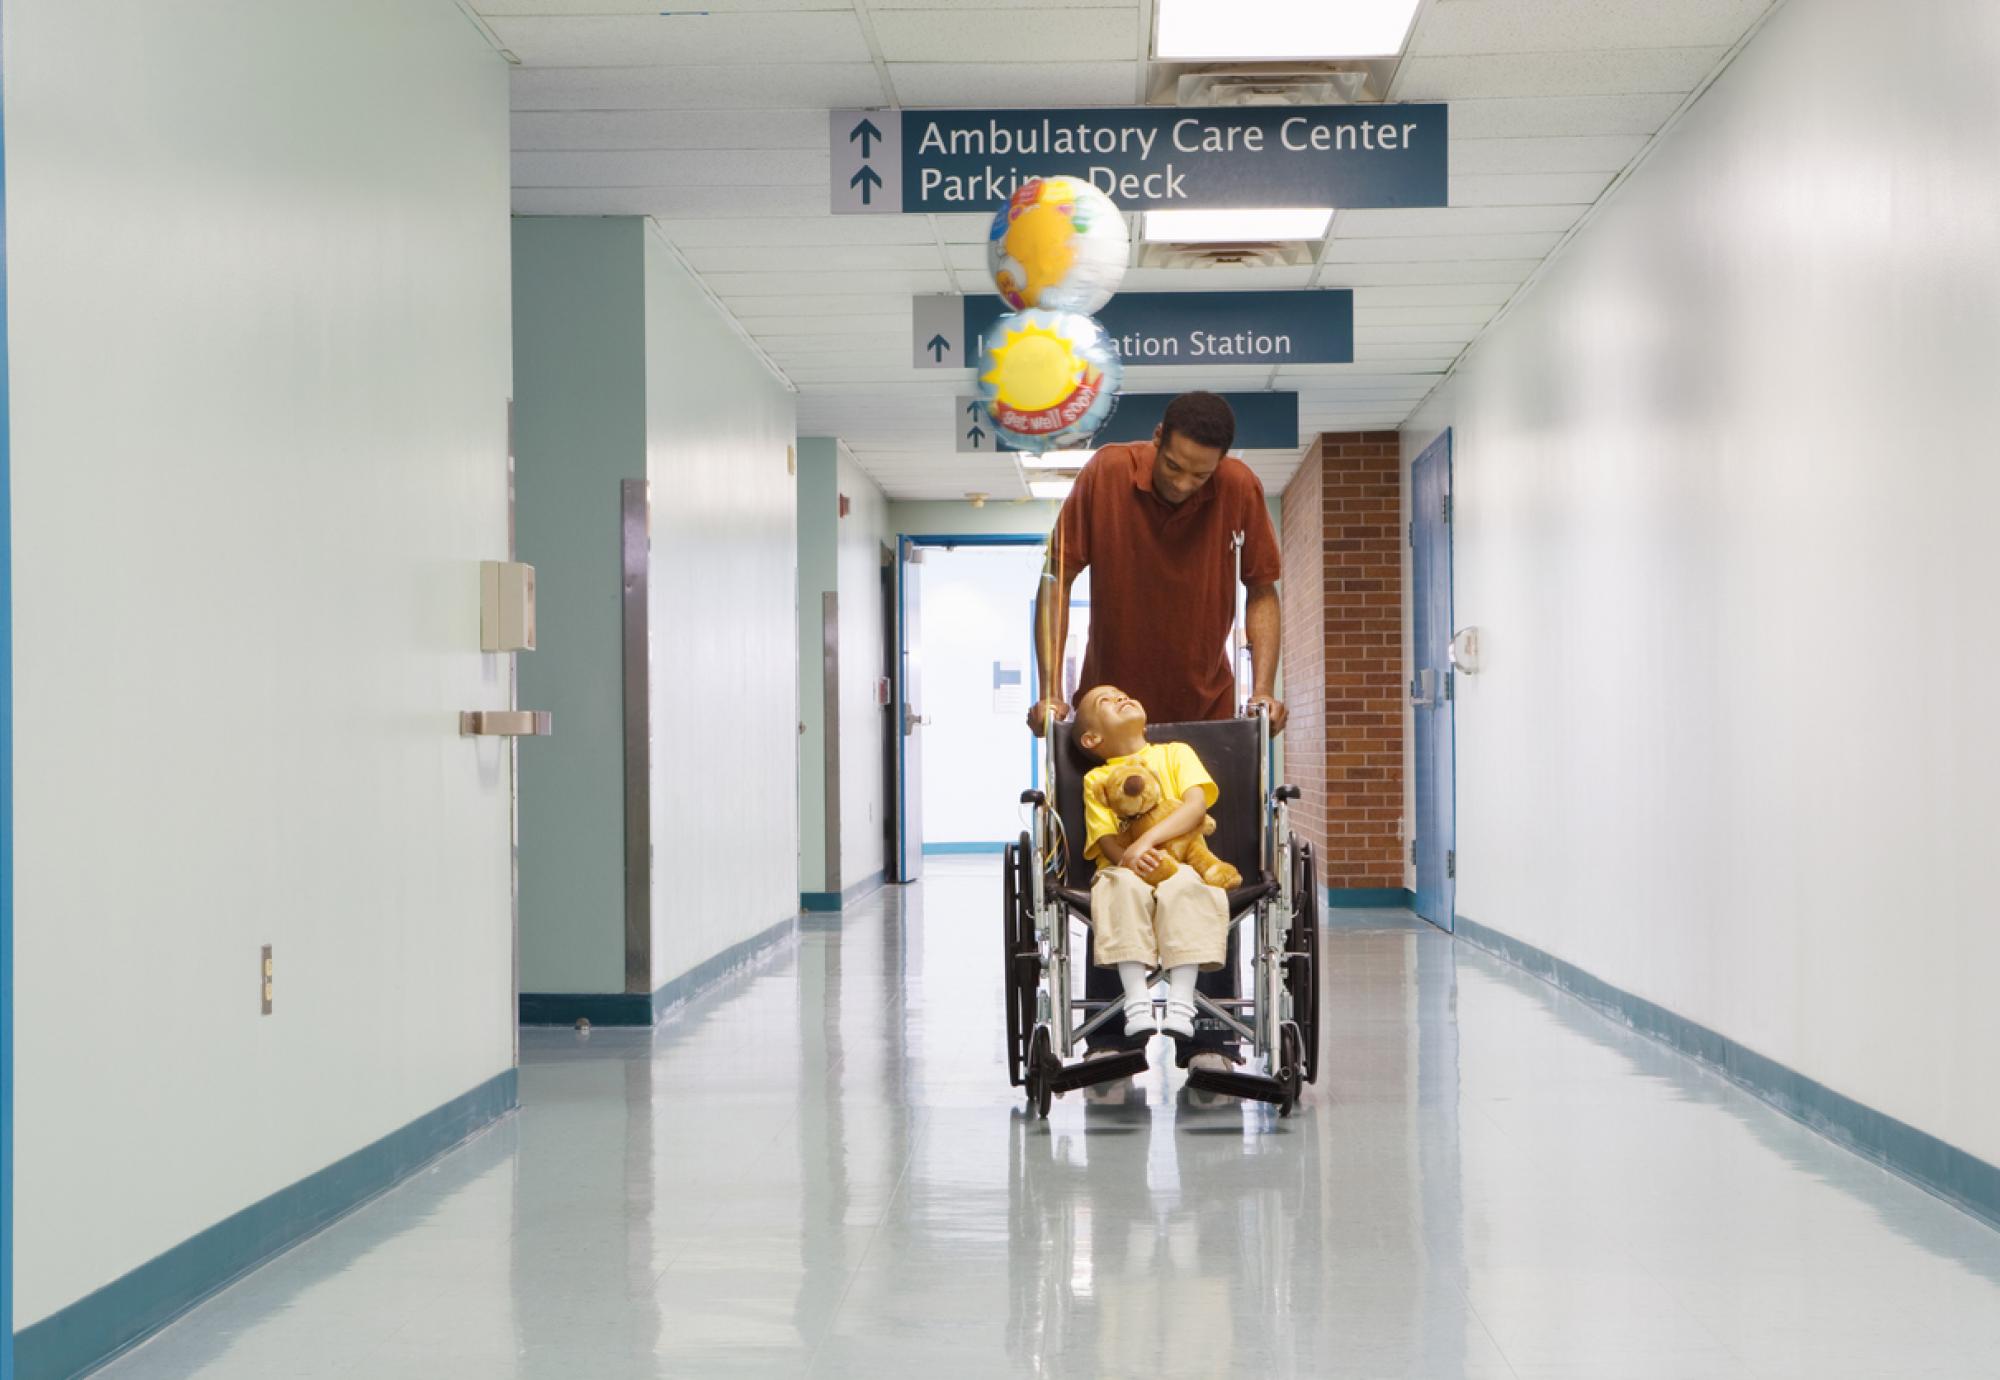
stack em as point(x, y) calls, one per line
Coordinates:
point(1431, 687)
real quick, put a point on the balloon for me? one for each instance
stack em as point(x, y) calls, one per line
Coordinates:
point(1048, 379)
point(1058, 245)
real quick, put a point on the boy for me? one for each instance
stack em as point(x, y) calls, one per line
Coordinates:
point(1183, 924)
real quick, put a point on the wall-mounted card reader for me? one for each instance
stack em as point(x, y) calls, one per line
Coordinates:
point(506, 607)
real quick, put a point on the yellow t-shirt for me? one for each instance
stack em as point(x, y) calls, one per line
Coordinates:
point(1179, 770)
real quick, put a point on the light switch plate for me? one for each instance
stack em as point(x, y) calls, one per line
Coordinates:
point(506, 606)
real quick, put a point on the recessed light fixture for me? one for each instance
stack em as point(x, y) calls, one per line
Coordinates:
point(1200, 30)
point(1051, 488)
point(1253, 225)
point(1060, 460)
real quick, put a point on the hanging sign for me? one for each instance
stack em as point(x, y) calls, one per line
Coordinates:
point(1264, 421)
point(1145, 158)
point(1309, 326)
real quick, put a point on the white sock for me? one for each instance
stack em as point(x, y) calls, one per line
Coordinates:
point(1138, 994)
point(1180, 982)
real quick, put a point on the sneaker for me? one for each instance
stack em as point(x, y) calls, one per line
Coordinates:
point(1139, 1021)
point(1180, 1018)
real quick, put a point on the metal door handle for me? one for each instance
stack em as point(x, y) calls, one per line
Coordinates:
point(506, 723)
point(1423, 690)
point(912, 721)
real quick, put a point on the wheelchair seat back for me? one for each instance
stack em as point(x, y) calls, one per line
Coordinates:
point(1227, 747)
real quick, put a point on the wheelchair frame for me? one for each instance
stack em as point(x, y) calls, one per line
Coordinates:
point(1282, 1030)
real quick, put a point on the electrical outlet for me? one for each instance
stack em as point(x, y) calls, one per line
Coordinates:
point(265, 975)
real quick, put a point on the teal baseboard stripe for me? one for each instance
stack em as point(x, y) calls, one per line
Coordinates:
point(819, 900)
point(711, 971)
point(866, 887)
point(1953, 1175)
point(950, 849)
point(645, 1008)
point(100, 1325)
point(599, 1008)
point(812, 902)
point(1368, 897)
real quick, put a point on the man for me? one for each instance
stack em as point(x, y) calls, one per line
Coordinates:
point(1155, 524)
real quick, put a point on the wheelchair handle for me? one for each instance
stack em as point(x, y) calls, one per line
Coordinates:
point(1285, 793)
point(1033, 798)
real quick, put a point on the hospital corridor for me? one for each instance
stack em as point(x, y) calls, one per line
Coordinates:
point(999, 689)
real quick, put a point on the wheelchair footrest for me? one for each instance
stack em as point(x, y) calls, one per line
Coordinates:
point(1236, 1083)
point(1103, 1069)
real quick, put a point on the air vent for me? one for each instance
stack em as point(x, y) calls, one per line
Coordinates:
point(1208, 85)
point(1278, 254)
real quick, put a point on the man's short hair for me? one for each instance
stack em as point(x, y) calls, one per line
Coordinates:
point(1203, 418)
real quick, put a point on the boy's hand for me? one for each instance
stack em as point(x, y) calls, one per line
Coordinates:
point(1143, 857)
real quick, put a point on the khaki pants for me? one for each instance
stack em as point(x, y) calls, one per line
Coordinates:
point(1184, 920)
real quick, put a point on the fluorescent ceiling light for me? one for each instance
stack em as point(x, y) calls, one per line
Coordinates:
point(1059, 460)
point(1256, 224)
point(1051, 488)
point(1199, 30)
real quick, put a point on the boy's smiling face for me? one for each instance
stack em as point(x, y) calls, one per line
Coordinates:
point(1110, 723)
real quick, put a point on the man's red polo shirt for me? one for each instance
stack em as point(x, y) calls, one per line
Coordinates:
point(1161, 603)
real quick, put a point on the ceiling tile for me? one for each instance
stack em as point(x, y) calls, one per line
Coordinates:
point(669, 129)
point(774, 86)
point(1528, 189)
point(1456, 220)
point(798, 232)
point(495, 9)
point(1570, 153)
point(687, 39)
point(1568, 25)
point(1632, 71)
point(1005, 84)
point(668, 202)
point(831, 258)
point(675, 168)
point(1432, 295)
point(1531, 117)
point(1435, 271)
point(949, 36)
point(1446, 248)
point(805, 284)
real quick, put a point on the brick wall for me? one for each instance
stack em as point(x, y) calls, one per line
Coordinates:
point(1342, 540)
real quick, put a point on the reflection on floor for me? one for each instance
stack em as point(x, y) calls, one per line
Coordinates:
point(819, 1169)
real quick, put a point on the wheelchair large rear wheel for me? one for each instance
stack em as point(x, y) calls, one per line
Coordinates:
point(1302, 970)
point(1021, 959)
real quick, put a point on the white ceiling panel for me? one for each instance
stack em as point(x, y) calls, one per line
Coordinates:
point(1372, 317)
point(1433, 295)
point(494, 9)
point(833, 258)
point(1449, 248)
point(1532, 189)
point(1629, 71)
point(687, 39)
point(675, 168)
point(803, 284)
point(1542, 117)
point(1435, 271)
point(1456, 220)
point(1215, 279)
point(668, 202)
point(1099, 35)
point(775, 330)
point(806, 308)
point(1575, 25)
point(772, 86)
point(1578, 153)
point(669, 129)
point(1005, 84)
point(798, 232)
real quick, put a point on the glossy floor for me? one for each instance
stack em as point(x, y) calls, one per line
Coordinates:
point(819, 1169)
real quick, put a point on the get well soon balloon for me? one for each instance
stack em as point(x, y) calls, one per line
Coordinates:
point(1048, 379)
point(1058, 245)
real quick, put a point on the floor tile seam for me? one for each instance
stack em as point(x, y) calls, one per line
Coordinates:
point(919, 1120)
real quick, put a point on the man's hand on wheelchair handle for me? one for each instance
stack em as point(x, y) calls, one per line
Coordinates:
point(1039, 711)
point(1277, 707)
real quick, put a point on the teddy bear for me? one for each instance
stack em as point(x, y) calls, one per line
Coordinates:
point(1133, 793)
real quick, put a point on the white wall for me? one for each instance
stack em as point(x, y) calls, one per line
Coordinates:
point(725, 635)
point(861, 536)
point(260, 353)
point(1723, 490)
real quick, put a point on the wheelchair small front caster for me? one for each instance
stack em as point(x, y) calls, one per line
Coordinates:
point(1042, 1062)
point(1291, 1067)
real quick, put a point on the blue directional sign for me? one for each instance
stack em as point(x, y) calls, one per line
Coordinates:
point(1264, 421)
point(1309, 326)
point(1145, 158)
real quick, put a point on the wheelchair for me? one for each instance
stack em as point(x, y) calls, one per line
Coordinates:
point(1275, 911)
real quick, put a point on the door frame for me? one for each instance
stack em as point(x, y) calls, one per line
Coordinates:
point(1427, 527)
point(905, 541)
point(6, 806)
